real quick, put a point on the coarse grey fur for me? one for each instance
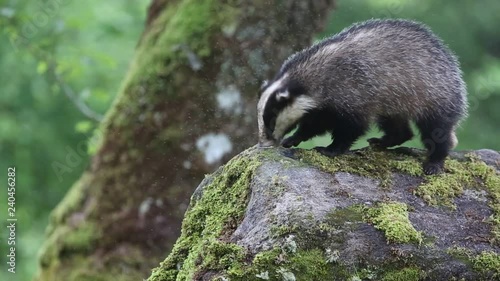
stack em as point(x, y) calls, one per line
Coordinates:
point(384, 71)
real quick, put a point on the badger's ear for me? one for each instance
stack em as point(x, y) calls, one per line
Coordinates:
point(284, 95)
point(264, 84)
point(296, 88)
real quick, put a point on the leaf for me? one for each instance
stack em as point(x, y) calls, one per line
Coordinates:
point(42, 67)
point(84, 126)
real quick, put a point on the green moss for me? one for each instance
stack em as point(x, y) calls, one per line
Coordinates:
point(460, 253)
point(338, 217)
point(443, 189)
point(110, 267)
point(210, 217)
point(266, 258)
point(171, 134)
point(282, 230)
point(190, 25)
point(219, 255)
point(487, 263)
point(410, 166)
point(277, 185)
point(277, 264)
point(63, 238)
point(471, 173)
point(159, 67)
point(67, 239)
point(62, 247)
point(310, 265)
point(82, 238)
point(367, 163)
point(392, 219)
point(71, 202)
point(405, 274)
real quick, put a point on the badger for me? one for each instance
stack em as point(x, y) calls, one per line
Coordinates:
point(389, 72)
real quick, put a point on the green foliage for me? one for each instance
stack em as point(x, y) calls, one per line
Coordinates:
point(88, 45)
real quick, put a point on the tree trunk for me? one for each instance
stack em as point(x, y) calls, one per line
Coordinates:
point(186, 106)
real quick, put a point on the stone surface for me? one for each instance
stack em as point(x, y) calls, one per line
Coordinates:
point(295, 207)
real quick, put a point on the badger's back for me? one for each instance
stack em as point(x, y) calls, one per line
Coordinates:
point(382, 67)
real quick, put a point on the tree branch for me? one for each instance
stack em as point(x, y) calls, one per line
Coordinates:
point(67, 90)
point(87, 111)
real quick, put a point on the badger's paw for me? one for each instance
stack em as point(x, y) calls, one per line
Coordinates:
point(378, 143)
point(374, 142)
point(290, 141)
point(433, 168)
point(327, 151)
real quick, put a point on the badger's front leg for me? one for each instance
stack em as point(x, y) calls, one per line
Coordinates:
point(344, 134)
point(308, 128)
point(302, 134)
point(293, 140)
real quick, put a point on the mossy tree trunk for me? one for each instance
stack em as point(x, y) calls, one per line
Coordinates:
point(186, 106)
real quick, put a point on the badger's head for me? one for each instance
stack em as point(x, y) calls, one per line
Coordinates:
point(282, 103)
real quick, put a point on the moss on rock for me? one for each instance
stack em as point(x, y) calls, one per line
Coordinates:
point(392, 218)
point(278, 264)
point(367, 163)
point(488, 263)
point(209, 219)
point(440, 189)
point(405, 274)
point(204, 251)
point(470, 173)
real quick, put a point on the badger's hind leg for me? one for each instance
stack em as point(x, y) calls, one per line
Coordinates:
point(396, 131)
point(345, 132)
point(438, 137)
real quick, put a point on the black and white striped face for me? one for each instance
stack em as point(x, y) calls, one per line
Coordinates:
point(281, 105)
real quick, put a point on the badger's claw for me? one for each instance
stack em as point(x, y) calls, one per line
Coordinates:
point(290, 141)
point(327, 151)
point(374, 141)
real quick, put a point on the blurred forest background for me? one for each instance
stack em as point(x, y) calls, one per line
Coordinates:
point(58, 84)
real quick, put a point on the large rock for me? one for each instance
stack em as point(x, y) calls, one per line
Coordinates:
point(291, 214)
